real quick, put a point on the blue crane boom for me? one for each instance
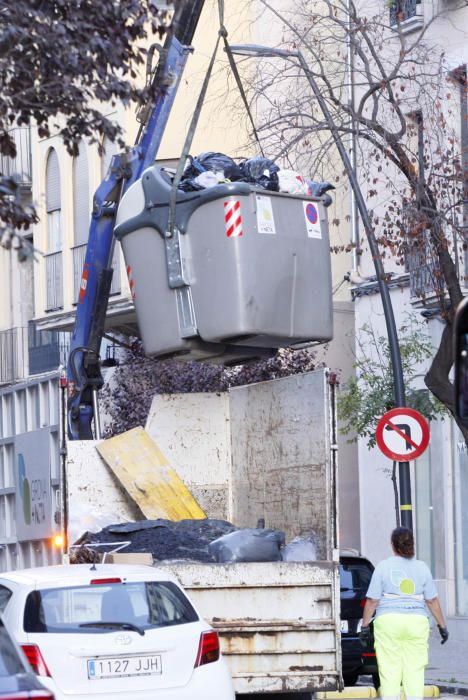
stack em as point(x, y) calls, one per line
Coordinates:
point(83, 372)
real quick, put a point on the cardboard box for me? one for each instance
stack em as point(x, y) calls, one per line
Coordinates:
point(130, 558)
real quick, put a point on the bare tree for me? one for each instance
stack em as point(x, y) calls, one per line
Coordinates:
point(392, 96)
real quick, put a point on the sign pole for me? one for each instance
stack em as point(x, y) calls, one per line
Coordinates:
point(406, 509)
point(402, 434)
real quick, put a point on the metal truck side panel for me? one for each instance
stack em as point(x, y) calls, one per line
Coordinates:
point(281, 457)
point(277, 621)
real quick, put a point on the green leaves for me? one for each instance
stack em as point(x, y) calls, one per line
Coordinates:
point(366, 397)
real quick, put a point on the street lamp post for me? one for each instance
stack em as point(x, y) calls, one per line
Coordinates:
point(406, 516)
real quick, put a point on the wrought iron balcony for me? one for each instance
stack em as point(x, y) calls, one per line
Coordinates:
point(54, 281)
point(47, 350)
point(20, 167)
point(406, 14)
point(12, 366)
point(426, 281)
point(26, 351)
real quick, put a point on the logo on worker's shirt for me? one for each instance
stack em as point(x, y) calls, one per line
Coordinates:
point(400, 580)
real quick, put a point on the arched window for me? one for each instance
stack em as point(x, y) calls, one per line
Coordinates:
point(53, 203)
point(81, 203)
point(54, 281)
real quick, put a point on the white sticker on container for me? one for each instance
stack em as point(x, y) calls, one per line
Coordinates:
point(312, 220)
point(265, 218)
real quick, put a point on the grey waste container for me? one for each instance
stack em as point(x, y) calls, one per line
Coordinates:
point(245, 267)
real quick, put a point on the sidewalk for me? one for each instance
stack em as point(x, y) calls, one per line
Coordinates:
point(448, 664)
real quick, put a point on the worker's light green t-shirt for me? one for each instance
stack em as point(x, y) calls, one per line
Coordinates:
point(402, 586)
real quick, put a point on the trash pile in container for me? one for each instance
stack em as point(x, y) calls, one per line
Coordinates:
point(210, 169)
point(207, 540)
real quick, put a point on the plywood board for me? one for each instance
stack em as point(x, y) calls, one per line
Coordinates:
point(147, 477)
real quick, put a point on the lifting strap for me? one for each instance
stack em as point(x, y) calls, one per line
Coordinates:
point(222, 34)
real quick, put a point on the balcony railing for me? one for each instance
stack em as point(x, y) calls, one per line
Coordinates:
point(426, 280)
point(26, 351)
point(47, 350)
point(406, 13)
point(21, 166)
point(11, 355)
point(79, 253)
point(54, 281)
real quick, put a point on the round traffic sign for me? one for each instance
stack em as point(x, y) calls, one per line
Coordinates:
point(402, 434)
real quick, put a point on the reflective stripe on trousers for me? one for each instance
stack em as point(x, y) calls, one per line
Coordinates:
point(401, 645)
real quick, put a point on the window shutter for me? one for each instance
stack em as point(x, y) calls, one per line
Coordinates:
point(53, 182)
point(81, 204)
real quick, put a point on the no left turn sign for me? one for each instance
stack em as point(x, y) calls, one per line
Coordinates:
point(402, 434)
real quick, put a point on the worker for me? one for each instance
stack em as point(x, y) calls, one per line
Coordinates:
point(400, 589)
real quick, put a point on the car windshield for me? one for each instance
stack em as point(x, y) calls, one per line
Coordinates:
point(10, 662)
point(136, 605)
point(354, 577)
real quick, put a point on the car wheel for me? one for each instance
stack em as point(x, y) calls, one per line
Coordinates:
point(350, 678)
point(376, 680)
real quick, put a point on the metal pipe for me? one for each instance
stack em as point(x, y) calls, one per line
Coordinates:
point(354, 215)
point(97, 420)
point(398, 380)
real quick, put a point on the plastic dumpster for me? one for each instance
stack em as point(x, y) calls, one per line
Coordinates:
point(244, 267)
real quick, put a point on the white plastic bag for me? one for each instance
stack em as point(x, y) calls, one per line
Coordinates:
point(300, 549)
point(292, 182)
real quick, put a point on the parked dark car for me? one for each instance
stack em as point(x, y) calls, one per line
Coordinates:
point(355, 575)
point(17, 681)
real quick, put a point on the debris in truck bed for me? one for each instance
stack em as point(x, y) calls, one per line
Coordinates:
point(164, 539)
point(206, 540)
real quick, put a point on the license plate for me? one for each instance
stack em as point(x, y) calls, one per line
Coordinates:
point(344, 625)
point(118, 667)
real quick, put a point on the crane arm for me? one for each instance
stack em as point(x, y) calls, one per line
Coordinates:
point(83, 372)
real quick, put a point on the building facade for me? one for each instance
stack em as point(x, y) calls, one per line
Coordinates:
point(440, 477)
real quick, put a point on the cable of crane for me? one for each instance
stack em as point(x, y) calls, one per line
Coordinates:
point(222, 34)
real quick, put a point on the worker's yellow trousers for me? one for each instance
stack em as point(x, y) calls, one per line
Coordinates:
point(401, 645)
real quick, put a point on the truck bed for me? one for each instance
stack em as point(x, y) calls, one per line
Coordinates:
point(278, 621)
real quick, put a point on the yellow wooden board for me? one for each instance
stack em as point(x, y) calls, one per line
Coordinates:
point(145, 474)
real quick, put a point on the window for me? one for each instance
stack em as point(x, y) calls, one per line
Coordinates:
point(54, 281)
point(10, 662)
point(81, 203)
point(5, 595)
point(53, 203)
point(87, 609)
point(354, 578)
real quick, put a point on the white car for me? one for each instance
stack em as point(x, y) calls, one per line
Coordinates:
point(105, 631)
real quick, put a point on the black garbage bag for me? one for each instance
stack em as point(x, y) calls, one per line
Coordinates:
point(249, 544)
point(165, 539)
point(320, 189)
point(261, 172)
point(209, 161)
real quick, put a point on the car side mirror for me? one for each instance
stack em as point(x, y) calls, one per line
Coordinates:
point(460, 343)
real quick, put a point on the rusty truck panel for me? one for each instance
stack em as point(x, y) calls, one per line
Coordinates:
point(278, 621)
